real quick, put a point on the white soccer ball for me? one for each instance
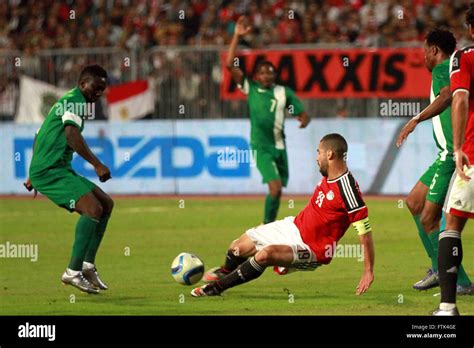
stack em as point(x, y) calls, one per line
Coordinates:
point(187, 269)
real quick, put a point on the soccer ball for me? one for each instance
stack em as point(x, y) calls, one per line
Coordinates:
point(187, 269)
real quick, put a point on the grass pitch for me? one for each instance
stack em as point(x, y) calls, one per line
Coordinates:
point(145, 234)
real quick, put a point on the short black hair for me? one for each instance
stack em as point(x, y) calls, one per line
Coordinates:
point(442, 38)
point(92, 71)
point(336, 143)
point(470, 14)
point(263, 63)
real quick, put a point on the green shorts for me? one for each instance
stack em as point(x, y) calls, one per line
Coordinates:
point(272, 164)
point(437, 178)
point(63, 186)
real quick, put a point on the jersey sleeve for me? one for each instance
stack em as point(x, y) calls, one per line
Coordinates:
point(246, 85)
point(460, 72)
point(72, 119)
point(357, 211)
point(440, 78)
point(293, 103)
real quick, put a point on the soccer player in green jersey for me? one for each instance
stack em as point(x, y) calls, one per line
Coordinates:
point(52, 175)
point(267, 102)
point(426, 199)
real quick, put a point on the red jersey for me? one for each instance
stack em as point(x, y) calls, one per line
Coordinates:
point(462, 79)
point(334, 205)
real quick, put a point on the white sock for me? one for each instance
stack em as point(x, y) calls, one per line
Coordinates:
point(72, 272)
point(444, 306)
point(87, 265)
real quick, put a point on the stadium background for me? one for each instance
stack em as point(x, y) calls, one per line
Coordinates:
point(175, 49)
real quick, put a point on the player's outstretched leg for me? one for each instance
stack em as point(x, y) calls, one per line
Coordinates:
point(89, 268)
point(91, 211)
point(238, 252)
point(272, 255)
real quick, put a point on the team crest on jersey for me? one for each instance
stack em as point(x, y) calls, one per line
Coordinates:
point(330, 195)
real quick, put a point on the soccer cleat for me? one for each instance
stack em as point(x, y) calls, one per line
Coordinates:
point(214, 274)
point(92, 276)
point(462, 290)
point(205, 290)
point(76, 279)
point(431, 280)
point(440, 312)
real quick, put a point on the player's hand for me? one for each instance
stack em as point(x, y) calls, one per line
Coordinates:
point(102, 172)
point(461, 161)
point(365, 282)
point(406, 130)
point(30, 187)
point(242, 26)
point(304, 119)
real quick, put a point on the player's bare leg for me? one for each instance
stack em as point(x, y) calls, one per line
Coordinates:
point(91, 211)
point(416, 202)
point(450, 257)
point(271, 255)
point(272, 201)
point(89, 269)
point(238, 252)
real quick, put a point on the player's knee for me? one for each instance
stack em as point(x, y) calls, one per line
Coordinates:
point(96, 211)
point(429, 222)
point(108, 206)
point(414, 205)
point(275, 190)
point(265, 257)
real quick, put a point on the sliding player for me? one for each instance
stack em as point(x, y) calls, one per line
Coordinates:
point(267, 103)
point(426, 199)
point(302, 242)
point(52, 175)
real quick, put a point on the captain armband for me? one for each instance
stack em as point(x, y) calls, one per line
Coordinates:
point(362, 226)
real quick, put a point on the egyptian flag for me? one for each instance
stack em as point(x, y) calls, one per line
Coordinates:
point(132, 100)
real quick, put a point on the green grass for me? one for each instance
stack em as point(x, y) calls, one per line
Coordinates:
point(156, 230)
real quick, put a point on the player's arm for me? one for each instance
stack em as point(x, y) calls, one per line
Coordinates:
point(303, 118)
point(78, 144)
point(369, 257)
point(295, 107)
point(442, 101)
point(358, 215)
point(460, 109)
point(241, 29)
point(460, 76)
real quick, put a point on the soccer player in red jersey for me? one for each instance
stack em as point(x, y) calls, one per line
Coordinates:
point(307, 240)
point(459, 204)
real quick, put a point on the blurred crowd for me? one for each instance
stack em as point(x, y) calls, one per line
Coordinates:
point(30, 25)
point(193, 78)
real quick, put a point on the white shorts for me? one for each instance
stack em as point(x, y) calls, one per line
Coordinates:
point(284, 232)
point(460, 197)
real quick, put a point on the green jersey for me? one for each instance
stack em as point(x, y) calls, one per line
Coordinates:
point(267, 112)
point(51, 148)
point(442, 128)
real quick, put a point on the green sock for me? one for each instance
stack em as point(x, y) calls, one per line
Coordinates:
point(434, 237)
point(96, 239)
point(271, 208)
point(85, 228)
point(423, 236)
point(463, 278)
